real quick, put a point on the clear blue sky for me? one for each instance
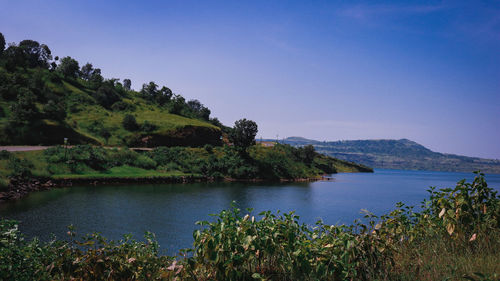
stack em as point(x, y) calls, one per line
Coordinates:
point(428, 71)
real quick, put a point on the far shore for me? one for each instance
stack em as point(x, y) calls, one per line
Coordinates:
point(19, 189)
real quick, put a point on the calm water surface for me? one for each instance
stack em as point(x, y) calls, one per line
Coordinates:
point(171, 210)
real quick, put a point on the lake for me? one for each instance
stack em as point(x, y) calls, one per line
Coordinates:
point(171, 210)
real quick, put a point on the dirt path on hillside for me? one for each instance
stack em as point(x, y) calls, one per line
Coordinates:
point(15, 148)
point(23, 148)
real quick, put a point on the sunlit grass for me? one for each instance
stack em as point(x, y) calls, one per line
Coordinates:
point(123, 172)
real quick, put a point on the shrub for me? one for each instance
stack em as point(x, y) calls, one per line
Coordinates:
point(21, 168)
point(4, 154)
point(209, 148)
point(78, 157)
point(131, 158)
point(165, 155)
point(122, 106)
point(170, 167)
point(3, 185)
point(54, 111)
point(148, 127)
point(129, 123)
point(144, 162)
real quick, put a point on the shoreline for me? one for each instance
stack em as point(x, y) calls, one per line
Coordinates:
point(20, 188)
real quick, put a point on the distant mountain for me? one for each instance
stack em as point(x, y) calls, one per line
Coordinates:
point(397, 154)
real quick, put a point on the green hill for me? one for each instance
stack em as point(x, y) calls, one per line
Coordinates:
point(398, 154)
point(51, 101)
point(44, 100)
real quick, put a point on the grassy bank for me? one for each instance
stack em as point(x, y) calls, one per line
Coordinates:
point(455, 236)
point(87, 162)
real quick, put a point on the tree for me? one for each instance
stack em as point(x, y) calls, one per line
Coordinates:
point(14, 57)
point(243, 133)
point(105, 133)
point(35, 55)
point(24, 111)
point(127, 84)
point(54, 111)
point(2, 43)
point(69, 67)
point(129, 123)
point(149, 91)
point(177, 105)
point(53, 65)
point(106, 95)
point(164, 96)
point(308, 153)
point(195, 105)
point(199, 109)
point(96, 78)
point(86, 72)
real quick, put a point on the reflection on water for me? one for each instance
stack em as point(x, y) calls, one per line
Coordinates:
point(171, 210)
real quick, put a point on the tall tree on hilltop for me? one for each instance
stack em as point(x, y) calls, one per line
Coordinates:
point(2, 43)
point(164, 95)
point(36, 55)
point(149, 91)
point(69, 67)
point(86, 72)
point(127, 84)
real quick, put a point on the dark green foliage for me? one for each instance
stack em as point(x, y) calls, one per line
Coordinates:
point(198, 110)
point(273, 163)
point(307, 153)
point(91, 258)
point(106, 95)
point(78, 157)
point(96, 79)
point(127, 84)
point(177, 105)
point(148, 127)
point(151, 93)
point(2, 112)
point(131, 158)
point(2, 43)
point(14, 57)
point(21, 168)
point(28, 54)
point(122, 106)
point(209, 148)
point(243, 133)
point(69, 67)
point(81, 158)
point(165, 155)
point(4, 154)
point(86, 71)
point(54, 111)
point(36, 55)
point(24, 111)
point(129, 123)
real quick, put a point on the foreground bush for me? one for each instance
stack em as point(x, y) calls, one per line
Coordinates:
point(454, 236)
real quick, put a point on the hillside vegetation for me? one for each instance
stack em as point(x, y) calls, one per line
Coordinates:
point(44, 100)
point(398, 154)
point(208, 162)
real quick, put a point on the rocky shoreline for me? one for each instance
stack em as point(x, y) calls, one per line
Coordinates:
point(19, 188)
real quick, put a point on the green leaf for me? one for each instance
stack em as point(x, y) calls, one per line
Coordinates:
point(256, 276)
